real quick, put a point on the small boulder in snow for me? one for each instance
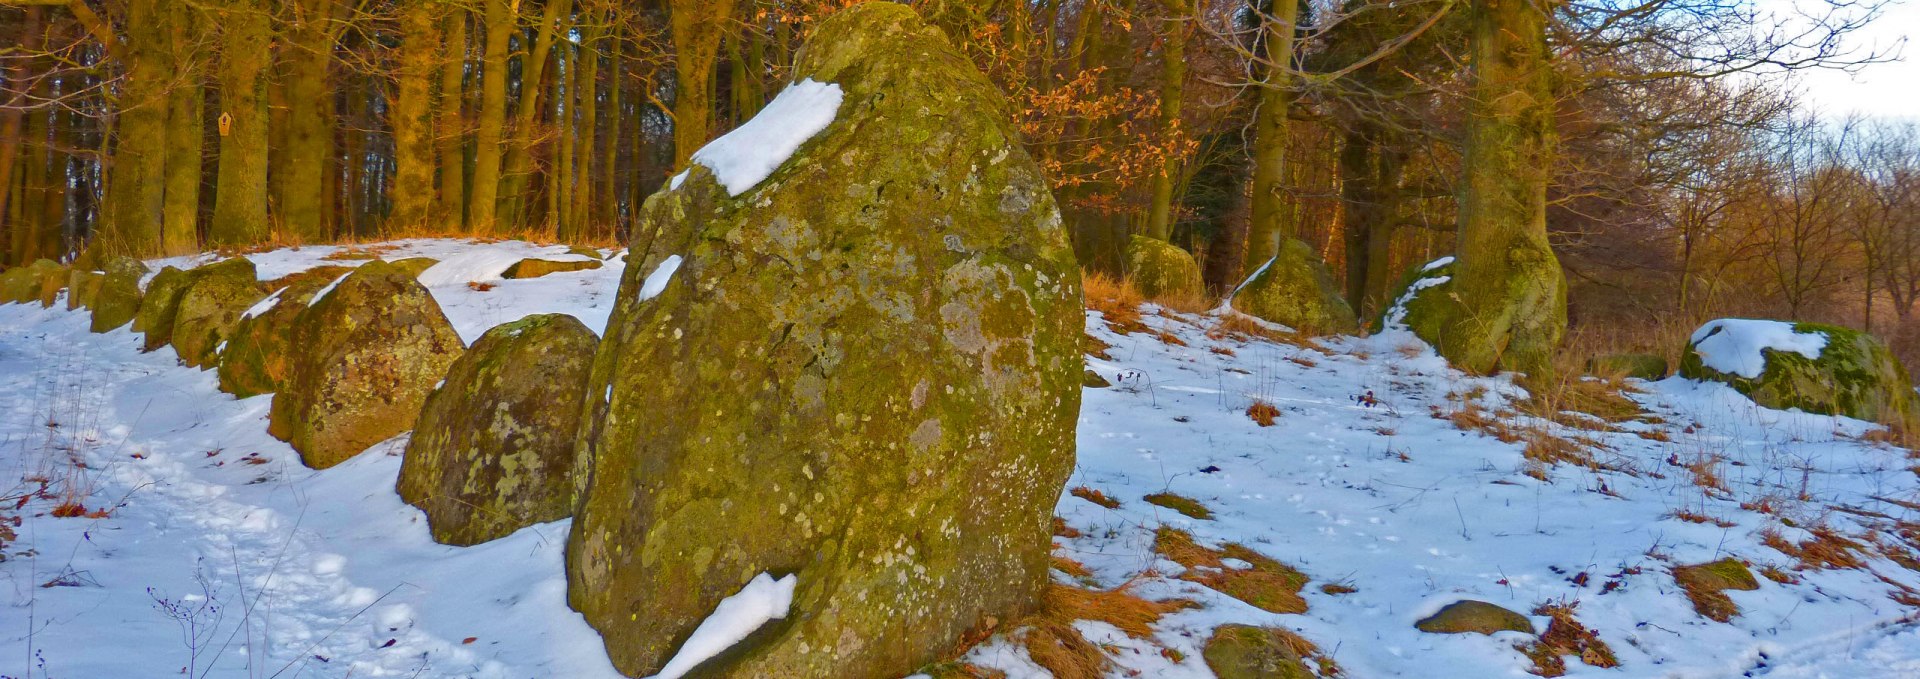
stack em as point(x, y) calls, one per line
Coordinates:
point(493, 449)
point(22, 284)
point(118, 298)
point(1478, 617)
point(1249, 652)
point(1814, 367)
point(210, 306)
point(1296, 290)
point(365, 357)
point(1161, 269)
point(535, 267)
point(259, 352)
point(82, 285)
point(159, 306)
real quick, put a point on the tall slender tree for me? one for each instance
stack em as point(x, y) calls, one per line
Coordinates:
point(240, 196)
point(411, 116)
point(696, 27)
point(482, 196)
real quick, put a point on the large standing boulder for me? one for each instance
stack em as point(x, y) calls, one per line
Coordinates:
point(1161, 269)
point(119, 296)
point(159, 305)
point(860, 372)
point(493, 449)
point(369, 349)
point(259, 352)
point(23, 284)
point(1815, 367)
point(210, 306)
point(1296, 290)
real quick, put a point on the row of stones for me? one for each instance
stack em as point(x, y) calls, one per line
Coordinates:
point(492, 448)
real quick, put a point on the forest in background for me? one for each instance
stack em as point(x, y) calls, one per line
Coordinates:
point(1685, 178)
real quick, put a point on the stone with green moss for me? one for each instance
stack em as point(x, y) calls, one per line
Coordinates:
point(259, 354)
point(82, 286)
point(1513, 321)
point(1706, 585)
point(23, 284)
point(370, 350)
point(118, 298)
point(414, 265)
point(210, 306)
point(865, 372)
point(159, 305)
point(1161, 269)
point(1855, 375)
point(1249, 652)
point(493, 448)
point(1477, 617)
point(1296, 290)
point(535, 267)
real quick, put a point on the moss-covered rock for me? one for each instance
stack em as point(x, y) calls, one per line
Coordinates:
point(23, 284)
point(1641, 366)
point(259, 354)
point(414, 265)
point(1855, 376)
point(535, 267)
point(159, 305)
point(118, 298)
point(1296, 290)
point(1161, 269)
point(370, 349)
point(1706, 585)
point(82, 286)
point(864, 372)
point(1478, 617)
point(1513, 322)
point(1415, 296)
point(1248, 652)
point(210, 306)
point(493, 449)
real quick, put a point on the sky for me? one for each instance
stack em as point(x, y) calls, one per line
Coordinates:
point(1882, 90)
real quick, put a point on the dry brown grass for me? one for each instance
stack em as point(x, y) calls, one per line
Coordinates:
point(1241, 327)
point(1054, 644)
point(1268, 584)
point(1566, 636)
point(1826, 549)
point(1095, 496)
point(1116, 299)
point(1691, 516)
point(1187, 506)
point(1706, 584)
point(1263, 413)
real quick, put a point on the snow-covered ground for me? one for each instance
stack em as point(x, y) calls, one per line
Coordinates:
point(205, 545)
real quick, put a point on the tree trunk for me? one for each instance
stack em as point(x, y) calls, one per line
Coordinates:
point(1511, 308)
point(136, 188)
point(607, 208)
point(240, 197)
point(301, 186)
point(186, 134)
point(518, 177)
point(588, 92)
point(695, 27)
point(481, 199)
point(453, 122)
point(12, 113)
point(1270, 222)
point(1173, 75)
point(1359, 205)
point(411, 118)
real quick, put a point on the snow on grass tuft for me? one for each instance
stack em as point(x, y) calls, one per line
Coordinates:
point(1733, 345)
point(657, 281)
point(751, 152)
point(264, 305)
point(763, 600)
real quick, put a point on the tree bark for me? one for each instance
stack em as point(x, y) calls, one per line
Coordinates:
point(481, 199)
point(1173, 76)
point(240, 198)
point(1270, 222)
point(1512, 309)
point(33, 39)
point(695, 27)
point(453, 121)
point(136, 188)
point(411, 118)
point(518, 177)
point(588, 92)
point(186, 134)
point(301, 186)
